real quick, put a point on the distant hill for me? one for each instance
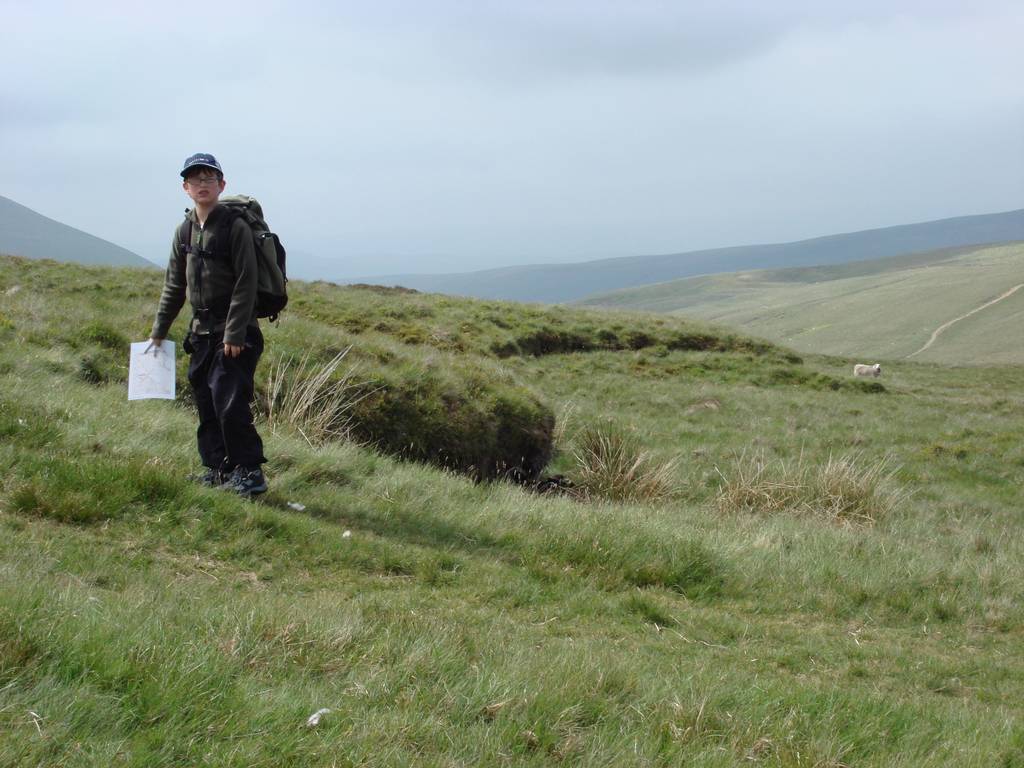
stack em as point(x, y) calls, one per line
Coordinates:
point(963, 305)
point(23, 232)
point(568, 282)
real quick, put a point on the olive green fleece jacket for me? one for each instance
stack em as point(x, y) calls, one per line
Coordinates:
point(224, 281)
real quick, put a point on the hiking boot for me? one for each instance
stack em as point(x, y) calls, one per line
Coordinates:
point(211, 478)
point(246, 481)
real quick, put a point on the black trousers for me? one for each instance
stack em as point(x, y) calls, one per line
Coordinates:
point(223, 389)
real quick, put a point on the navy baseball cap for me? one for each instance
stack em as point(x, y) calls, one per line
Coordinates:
point(201, 159)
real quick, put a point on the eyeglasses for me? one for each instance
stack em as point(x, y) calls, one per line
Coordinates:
point(201, 181)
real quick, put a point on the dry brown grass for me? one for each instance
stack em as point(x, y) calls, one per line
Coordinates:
point(755, 485)
point(562, 421)
point(848, 489)
point(611, 464)
point(310, 398)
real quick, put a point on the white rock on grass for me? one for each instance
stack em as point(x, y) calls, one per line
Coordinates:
point(314, 719)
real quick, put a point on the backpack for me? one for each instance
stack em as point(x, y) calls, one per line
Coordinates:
point(271, 291)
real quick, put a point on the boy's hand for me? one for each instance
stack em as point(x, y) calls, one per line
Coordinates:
point(154, 344)
point(232, 350)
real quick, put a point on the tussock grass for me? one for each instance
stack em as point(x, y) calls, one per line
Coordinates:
point(611, 464)
point(854, 488)
point(753, 485)
point(310, 398)
point(846, 489)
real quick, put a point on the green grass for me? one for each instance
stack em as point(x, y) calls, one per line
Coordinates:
point(145, 621)
point(881, 309)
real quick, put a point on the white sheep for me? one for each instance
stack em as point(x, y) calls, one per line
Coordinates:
point(867, 370)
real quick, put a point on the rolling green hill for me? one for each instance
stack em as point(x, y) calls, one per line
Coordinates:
point(760, 560)
point(23, 232)
point(885, 308)
point(571, 282)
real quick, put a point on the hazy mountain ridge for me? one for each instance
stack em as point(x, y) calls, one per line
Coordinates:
point(569, 282)
point(24, 232)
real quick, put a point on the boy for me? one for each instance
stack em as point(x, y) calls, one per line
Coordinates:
point(218, 267)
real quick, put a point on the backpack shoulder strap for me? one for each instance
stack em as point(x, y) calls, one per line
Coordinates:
point(185, 233)
point(225, 221)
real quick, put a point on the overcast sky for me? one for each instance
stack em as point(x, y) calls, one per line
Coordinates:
point(435, 136)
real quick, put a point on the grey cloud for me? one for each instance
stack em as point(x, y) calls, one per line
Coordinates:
point(398, 136)
point(530, 41)
point(624, 43)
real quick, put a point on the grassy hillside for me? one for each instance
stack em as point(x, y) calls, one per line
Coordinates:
point(571, 282)
point(882, 309)
point(830, 576)
point(27, 233)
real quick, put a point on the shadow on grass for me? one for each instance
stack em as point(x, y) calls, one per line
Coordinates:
point(601, 548)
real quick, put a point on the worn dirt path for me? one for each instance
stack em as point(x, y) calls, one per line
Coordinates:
point(938, 331)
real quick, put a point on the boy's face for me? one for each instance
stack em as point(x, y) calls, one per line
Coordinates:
point(203, 185)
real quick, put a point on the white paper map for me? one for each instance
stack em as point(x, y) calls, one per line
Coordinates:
point(151, 373)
